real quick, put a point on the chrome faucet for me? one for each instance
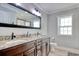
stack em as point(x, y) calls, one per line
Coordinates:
point(37, 33)
point(27, 34)
point(12, 36)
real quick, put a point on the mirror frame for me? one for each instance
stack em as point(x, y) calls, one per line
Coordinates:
point(19, 26)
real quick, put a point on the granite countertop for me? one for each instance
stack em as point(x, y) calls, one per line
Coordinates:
point(10, 43)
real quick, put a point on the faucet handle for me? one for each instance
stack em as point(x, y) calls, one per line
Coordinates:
point(38, 33)
point(12, 36)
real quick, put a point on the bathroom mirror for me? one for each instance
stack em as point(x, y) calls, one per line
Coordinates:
point(12, 15)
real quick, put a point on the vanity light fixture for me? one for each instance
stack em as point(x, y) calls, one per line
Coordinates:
point(36, 12)
point(19, 4)
point(25, 12)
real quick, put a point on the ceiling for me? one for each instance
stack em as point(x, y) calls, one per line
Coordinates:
point(55, 7)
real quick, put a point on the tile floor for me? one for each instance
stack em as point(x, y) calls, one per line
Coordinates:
point(57, 52)
point(61, 51)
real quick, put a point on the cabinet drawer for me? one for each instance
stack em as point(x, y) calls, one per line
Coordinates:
point(20, 54)
point(39, 42)
point(28, 45)
point(29, 52)
point(39, 47)
point(39, 53)
point(12, 51)
point(45, 40)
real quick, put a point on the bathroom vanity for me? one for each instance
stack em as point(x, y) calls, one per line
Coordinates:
point(16, 16)
point(35, 46)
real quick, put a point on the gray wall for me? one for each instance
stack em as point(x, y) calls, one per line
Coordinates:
point(66, 41)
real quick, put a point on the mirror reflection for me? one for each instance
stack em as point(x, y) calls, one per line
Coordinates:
point(12, 15)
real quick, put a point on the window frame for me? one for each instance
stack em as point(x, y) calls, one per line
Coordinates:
point(58, 24)
point(34, 24)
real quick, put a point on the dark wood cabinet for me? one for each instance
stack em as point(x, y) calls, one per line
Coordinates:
point(45, 46)
point(12, 51)
point(39, 47)
point(29, 52)
point(29, 49)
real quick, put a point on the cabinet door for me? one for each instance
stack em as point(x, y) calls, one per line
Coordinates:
point(19, 54)
point(44, 49)
point(46, 46)
point(30, 52)
point(30, 45)
point(39, 47)
point(13, 51)
point(39, 50)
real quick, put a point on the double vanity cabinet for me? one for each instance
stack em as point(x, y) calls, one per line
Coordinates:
point(37, 47)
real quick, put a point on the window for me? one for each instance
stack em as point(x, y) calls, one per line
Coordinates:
point(27, 23)
point(65, 25)
point(20, 22)
point(36, 24)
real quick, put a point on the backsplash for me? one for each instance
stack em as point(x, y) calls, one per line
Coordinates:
point(8, 37)
point(5, 38)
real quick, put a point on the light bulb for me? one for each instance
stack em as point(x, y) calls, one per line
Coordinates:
point(36, 13)
point(18, 4)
